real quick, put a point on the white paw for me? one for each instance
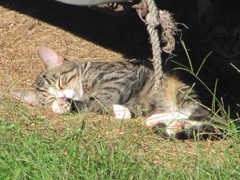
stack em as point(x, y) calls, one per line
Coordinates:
point(166, 118)
point(60, 106)
point(121, 112)
point(173, 121)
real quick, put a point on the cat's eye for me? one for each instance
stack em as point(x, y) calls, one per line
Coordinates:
point(219, 32)
point(59, 85)
point(49, 99)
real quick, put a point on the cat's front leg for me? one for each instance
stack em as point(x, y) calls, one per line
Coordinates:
point(61, 106)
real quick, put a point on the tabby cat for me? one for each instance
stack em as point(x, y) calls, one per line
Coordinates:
point(125, 89)
point(219, 36)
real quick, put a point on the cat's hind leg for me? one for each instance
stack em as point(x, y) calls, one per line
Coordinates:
point(174, 124)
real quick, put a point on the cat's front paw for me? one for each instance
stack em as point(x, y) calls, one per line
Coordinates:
point(121, 112)
point(61, 106)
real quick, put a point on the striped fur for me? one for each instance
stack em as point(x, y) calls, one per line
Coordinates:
point(103, 87)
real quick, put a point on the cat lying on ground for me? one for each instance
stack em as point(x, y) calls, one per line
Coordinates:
point(124, 89)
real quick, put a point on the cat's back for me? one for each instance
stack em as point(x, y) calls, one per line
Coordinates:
point(122, 76)
point(124, 66)
point(114, 69)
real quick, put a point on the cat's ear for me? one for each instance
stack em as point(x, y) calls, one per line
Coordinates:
point(25, 95)
point(206, 8)
point(49, 57)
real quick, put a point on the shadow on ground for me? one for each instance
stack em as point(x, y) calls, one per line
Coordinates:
point(125, 34)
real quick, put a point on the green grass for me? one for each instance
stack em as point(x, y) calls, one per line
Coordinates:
point(71, 147)
point(34, 145)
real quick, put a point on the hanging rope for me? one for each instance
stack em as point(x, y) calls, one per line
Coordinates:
point(153, 17)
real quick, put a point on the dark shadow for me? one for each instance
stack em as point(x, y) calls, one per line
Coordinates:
point(125, 34)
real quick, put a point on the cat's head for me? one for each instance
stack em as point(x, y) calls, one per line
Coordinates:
point(59, 79)
point(220, 30)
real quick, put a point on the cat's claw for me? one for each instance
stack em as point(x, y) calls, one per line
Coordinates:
point(121, 112)
point(60, 106)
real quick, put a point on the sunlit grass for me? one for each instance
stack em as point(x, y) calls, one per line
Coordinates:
point(35, 146)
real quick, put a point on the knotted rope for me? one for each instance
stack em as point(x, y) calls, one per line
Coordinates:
point(153, 19)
